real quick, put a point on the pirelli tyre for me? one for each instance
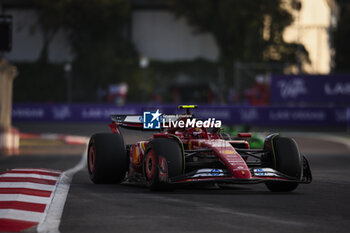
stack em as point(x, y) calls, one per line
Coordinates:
point(163, 160)
point(285, 158)
point(107, 159)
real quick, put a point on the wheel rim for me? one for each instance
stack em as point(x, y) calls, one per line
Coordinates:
point(150, 165)
point(92, 159)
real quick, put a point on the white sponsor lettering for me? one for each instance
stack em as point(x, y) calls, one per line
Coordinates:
point(218, 113)
point(308, 115)
point(337, 89)
point(61, 113)
point(89, 113)
point(292, 88)
point(219, 143)
point(28, 112)
point(265, 172)
point(249, 114)
point(297, 115)
point(209, 172)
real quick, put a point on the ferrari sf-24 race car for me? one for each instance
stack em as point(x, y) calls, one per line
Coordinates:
point(174, 155)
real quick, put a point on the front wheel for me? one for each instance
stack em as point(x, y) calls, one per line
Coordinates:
point(285, 158)
point(163, 160)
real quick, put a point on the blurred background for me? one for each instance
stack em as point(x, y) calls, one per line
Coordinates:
point(260, 66)
point(275, 62)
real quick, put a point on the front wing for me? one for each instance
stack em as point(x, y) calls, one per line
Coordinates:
point(259, 175)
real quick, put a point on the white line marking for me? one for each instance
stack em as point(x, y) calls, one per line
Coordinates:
point(28, 185)
point(217, 209)
point(338, 139)
point(333, 138)
point(29, 175)
point(21, 215)
point(39, 170)
point(25, 198)
point(53, 212)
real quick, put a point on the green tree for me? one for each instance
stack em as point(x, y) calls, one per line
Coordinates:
point(50, 19)
point(342, 34)
point(103, 53)
point(96, 33)
point(245, 31)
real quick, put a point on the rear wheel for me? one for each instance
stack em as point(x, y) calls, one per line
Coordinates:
point(107, 159)
point(285, 158)
point(163, 160)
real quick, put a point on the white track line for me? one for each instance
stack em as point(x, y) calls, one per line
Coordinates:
point(28, 185)
point(29, 176)
point(21, 215)
point(214, 209)
point(39, 170)
point(52, 219)
point(328, 137)
point(25, 198)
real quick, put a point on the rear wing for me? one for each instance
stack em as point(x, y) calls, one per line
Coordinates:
point(131, 121)
point(131, 127)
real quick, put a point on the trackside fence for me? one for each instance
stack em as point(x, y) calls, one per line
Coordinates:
point(229, 114)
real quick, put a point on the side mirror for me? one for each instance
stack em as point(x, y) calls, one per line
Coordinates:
point(244, 135)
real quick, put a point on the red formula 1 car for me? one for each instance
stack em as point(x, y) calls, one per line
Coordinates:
point(184, 155)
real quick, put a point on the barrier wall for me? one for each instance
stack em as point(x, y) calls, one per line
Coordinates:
point(259, 116)
point(310, 89)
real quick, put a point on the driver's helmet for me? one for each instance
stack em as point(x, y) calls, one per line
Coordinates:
point(197, 132)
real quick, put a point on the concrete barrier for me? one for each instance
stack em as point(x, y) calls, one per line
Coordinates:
point(9, 141)
point(228, 114)
point(9, 136)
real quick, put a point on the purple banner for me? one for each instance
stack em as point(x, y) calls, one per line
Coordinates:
point(315, 89)
point(73, 112)
point(233, 115)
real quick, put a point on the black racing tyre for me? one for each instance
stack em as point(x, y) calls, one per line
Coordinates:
point(286, 159)
point(163, 160)
point(107, 159)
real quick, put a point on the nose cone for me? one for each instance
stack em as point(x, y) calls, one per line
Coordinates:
point(242, 174)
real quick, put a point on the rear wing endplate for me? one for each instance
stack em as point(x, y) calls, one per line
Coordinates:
point(132, 119)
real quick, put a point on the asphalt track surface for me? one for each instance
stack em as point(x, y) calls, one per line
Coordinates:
point(322, 206)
